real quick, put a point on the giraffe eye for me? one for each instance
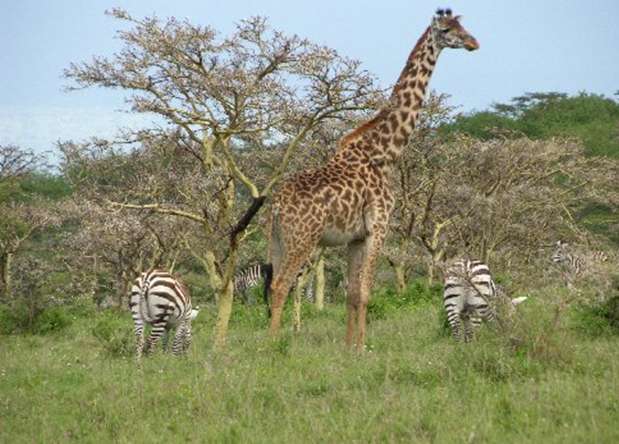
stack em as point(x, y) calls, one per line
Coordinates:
point(445, 31)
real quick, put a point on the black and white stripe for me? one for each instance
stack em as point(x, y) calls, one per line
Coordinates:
point(161, 300)
point(251, 276)
point(575, 266)
point(470, 296)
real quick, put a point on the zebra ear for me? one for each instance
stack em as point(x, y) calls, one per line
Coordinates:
point(519, 300)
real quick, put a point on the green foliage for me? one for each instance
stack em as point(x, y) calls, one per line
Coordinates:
point(52, 320)
point(386, 301)
point(53, 187)
point(8, 321)
point(592, 118)
point(114, 331)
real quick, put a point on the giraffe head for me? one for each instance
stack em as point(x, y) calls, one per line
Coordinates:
point(449, 33)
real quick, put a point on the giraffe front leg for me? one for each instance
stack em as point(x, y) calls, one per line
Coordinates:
point(356, 253)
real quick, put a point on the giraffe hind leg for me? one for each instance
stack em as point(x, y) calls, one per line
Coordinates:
point(287, 261)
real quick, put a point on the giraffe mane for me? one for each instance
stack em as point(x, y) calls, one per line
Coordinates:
point(359, 131)
point(370, 124)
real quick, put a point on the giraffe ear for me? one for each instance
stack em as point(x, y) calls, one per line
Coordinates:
point(458, 18)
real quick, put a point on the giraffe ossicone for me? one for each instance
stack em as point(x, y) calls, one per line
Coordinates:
point(349, 200)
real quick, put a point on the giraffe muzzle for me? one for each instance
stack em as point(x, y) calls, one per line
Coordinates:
point(471, 44)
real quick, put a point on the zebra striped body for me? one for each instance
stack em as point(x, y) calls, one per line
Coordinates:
point(467, 296)
point(251, 276)
point(159, 299)
point(575, 266)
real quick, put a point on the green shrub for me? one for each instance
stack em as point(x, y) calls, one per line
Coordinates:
point(52, 320)
point(386, 301)
point(114, 331)
point(598, 319)
point(8, 321)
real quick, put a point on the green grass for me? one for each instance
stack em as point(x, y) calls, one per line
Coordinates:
point(413, 384)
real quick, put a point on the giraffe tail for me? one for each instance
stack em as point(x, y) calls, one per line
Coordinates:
point(267, 272)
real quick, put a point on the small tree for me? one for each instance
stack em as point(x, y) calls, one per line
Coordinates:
point(256, 89)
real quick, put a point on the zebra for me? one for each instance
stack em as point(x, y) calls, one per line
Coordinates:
point(470, 296)
point(251, 276)
point(161, 300)
point(575, 266)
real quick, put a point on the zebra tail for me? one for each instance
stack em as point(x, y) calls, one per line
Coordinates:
point(267, 271)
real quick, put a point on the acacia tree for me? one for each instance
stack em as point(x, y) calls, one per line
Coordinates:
point(108, 249)
point(497, 200)
point(257, 88)
point(21, 218)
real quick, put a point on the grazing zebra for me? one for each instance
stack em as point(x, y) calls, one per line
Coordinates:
point(470, 296)
point(251, 276)
point(575, 266)
point(161, 300)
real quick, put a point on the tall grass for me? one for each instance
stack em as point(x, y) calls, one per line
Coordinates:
point(542, 381)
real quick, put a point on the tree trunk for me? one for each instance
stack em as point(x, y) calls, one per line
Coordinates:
point(224, 311)
point(297, 299)
point(400, 277)
point(319, 290)
point(224, 305)
point(437, 256)
point(6, 277)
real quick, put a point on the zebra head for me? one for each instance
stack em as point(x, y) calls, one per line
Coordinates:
point(560, 253)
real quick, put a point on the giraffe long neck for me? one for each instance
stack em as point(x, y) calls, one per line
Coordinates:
point(385, 136)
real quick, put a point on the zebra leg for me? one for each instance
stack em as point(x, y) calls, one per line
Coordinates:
point(187, 338)
point(139, 340)
point(166, 339)
point(183, 335)
point(471, 325)
point(159, 327)
point(453, 317)
point(139, 327)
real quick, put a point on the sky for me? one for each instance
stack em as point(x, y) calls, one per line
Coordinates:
point(551, 45)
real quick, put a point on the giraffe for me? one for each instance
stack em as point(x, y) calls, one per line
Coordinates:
point(349, 200)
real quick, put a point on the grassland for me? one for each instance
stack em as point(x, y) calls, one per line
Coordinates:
point(541, 382)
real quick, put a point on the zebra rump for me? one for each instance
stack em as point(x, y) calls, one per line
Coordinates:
point(162, 301)
point(470, 296)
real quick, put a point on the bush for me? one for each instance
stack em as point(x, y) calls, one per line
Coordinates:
point(52, 320)
point(386, 301)
point(114, 332)
point(598, 319)
point(8, 321)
